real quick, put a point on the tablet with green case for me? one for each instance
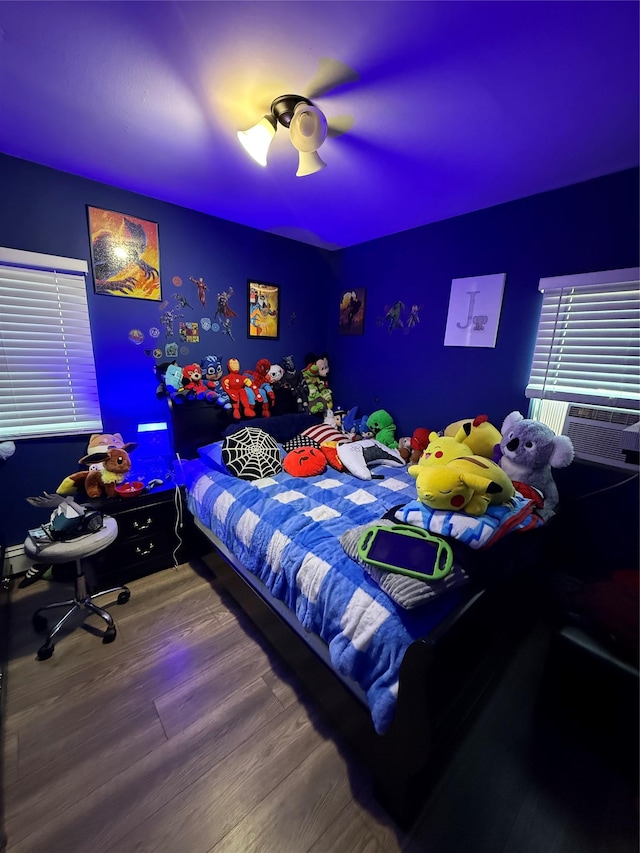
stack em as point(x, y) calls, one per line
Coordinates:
point(406, 550)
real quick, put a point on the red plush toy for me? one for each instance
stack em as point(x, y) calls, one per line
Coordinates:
point(241, 391)
point(304, 462)
point(194, 385)
point(412, 447)
point(261, 384)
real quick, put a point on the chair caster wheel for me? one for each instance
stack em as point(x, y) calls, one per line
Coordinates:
point(45, 652)
point(39, 623)
point(109, 635)
point(124, 596)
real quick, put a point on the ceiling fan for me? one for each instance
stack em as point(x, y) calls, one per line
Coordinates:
point(308, 126)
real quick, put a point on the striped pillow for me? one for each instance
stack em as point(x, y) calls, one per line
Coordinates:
point(324, 432)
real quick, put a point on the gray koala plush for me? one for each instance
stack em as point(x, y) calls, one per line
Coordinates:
point(529, 450)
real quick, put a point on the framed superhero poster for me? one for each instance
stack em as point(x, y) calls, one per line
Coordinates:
point(125, 255)
point(263, 310)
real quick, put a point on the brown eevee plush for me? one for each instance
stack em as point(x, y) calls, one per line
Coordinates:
point(107, 469)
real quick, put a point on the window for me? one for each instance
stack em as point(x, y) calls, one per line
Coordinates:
point(588, 344)
point(47, 371)
point(585, 374)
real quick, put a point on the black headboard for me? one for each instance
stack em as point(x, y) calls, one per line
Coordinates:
point(195, 423)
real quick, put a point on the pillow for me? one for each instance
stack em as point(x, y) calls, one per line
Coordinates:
point(359, 457)
point(281, 427)
point(211, 455)
point(305, 462)
point(406, 591)
point(476, 531)
point(299, 441)
point(251, 453)
point(324, 432)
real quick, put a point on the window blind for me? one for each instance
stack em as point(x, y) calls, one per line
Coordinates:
point(588, 343)
point(47, 370)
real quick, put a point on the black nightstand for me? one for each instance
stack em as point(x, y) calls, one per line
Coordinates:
point(155, 531)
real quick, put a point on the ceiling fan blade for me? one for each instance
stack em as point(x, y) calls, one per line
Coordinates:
point(339, 125)
point(331, 74)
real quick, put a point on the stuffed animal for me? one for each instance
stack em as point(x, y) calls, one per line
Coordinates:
point(170, 385)
point(7, 449)
point(98, 481)
point(99, 442)
point(195, 386)
point(358, 457)
point(529, 450)
point(469, 483)
point(212, 374)
point(240, 390)
point(293, 381)
point(305, 462)
point(169, 377)
point(383, 428)
point(356, 427)
point(412, 447)
point(480, 435)
point(276, 374)
point(442, 449)
point(262, 382)
point(315, 374)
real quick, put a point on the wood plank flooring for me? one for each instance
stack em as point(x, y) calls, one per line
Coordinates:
point(188, 734)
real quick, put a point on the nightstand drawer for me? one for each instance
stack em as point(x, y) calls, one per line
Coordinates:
point(153, 534)
point(131, 558)
point(146, 520)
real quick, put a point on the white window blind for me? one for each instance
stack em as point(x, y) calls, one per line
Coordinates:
point(47, 370)
point(588, 344)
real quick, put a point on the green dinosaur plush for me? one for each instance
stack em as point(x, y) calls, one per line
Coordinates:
point(383, 428)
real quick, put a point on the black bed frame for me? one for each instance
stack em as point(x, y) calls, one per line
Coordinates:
point(443, 676)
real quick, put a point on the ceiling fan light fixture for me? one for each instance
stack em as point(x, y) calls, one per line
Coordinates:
point(257, 139)
point(309, 162)
point(308, 128)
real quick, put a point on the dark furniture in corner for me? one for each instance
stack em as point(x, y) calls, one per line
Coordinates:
point(154, 533)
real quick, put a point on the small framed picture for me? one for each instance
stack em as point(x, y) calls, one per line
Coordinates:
point(263, 310)
point(125, 255)
point(352, 304)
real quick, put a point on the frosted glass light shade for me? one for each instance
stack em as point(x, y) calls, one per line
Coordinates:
point(308, 127)
point(309, 162)
point(257, 139)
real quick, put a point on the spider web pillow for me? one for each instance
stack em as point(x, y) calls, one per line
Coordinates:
point(251, 453)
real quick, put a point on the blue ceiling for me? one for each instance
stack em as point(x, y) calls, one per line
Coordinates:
point(437, 108)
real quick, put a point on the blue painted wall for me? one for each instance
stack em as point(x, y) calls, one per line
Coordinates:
point(43, 210)
point(582, 228)
point(589, 226)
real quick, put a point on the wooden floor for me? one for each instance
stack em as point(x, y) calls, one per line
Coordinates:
point(188, 734)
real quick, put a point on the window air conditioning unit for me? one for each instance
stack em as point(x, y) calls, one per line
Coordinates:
point(603, 435)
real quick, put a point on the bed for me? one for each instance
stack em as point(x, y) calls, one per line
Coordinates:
point(412, 674)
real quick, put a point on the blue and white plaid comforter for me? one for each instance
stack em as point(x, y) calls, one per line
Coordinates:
point(286, 531)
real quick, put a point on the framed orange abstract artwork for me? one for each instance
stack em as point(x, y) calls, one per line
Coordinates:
point(125, 255)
